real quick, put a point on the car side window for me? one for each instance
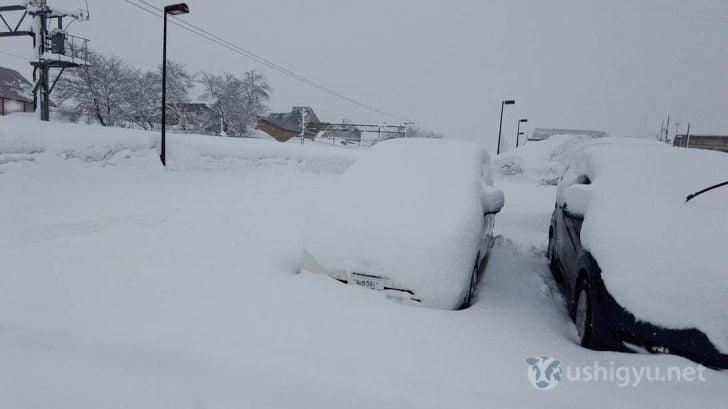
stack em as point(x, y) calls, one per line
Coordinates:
point(582, 180)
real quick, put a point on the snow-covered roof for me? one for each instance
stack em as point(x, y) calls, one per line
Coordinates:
point(663, 259)
point(539, 134)
point(14, 86)
point(291, 121)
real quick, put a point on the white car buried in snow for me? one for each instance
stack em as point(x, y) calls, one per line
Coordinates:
point(413, 218)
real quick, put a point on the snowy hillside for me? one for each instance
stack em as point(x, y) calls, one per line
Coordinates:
point(127, 285)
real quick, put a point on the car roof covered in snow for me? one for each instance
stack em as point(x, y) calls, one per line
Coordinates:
point(411, 210)
point(663, 259)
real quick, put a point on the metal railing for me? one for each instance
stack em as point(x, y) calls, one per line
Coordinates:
point(65, 47)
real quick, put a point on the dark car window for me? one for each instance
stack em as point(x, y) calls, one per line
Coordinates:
point(583, 180)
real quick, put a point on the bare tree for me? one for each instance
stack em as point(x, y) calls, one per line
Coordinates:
point(414, 131)
point(179, 84)
point(112, 93)
point(219, 89)
point(142, 99)
point(256, 96)
point(95, 92)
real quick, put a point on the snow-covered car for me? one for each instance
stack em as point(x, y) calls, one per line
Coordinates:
point(412, 218)
point(642, 267)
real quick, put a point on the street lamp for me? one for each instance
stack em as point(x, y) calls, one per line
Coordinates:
point(518, 132)
point(175, 10)
point(500, 127)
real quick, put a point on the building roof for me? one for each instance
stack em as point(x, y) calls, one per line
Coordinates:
point(14, 86)
point(539, 134)
point(291, 121)
point(713, 142)
point(703, 136)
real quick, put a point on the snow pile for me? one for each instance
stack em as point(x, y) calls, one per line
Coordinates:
point(540, 161)
point(662, 259)
point(23, 139)
point(202, 152)
point(411, 210)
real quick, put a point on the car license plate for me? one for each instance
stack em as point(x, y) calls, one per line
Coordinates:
point(372, 283)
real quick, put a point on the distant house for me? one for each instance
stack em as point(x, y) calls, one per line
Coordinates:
point(287, 125)
point(540, 134)
point(15, 92)
point(710, 142)
point(193, 111)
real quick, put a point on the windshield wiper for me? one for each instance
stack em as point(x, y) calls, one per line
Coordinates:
point(700, 192)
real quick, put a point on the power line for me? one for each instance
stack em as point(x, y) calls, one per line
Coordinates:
point(237, 49)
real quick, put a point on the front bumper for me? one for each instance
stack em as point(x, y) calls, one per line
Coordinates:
point(690, 343)
point(393, 289)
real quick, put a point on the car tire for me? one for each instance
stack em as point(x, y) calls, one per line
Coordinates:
point(583, 311)
point(588, 321)
point(472, 288)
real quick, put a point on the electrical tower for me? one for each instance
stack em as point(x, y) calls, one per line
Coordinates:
point(53, 47)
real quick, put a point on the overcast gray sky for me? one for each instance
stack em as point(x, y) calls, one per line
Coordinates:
point(619, 66)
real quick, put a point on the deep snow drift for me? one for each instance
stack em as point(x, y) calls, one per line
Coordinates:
point(123, 284)
point(541, 161)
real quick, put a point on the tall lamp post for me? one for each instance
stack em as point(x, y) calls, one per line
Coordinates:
point(518, 132)
point(500, 127)
point(175, 10)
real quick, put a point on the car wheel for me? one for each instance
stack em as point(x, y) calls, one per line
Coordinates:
point(589, 322)
point(582, 316)
point(472, 288)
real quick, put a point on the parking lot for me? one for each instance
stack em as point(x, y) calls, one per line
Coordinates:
point(126, 285)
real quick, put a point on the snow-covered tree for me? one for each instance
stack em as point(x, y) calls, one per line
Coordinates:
point(111, 93)
point(414, 131)
point(236, 102)
point(179, 84)
point(142, 99)
point(256, 93)
point(96, 92)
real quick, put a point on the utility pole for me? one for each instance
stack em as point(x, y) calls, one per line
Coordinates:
point(687, 137)
point(303, 124)
point(667, 129)
point(52, 47)
point(677, 126)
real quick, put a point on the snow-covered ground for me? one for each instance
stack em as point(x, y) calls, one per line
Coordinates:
point(123, 284)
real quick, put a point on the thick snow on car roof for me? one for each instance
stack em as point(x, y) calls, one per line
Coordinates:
point(664, 260)
point(409, 210)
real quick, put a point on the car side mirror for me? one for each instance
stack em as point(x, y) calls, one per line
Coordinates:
point(493, 199)
point(577, 199)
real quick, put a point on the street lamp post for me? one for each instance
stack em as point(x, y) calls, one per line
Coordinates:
point(500, 127)
point(518, 132)
point(175, 10)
